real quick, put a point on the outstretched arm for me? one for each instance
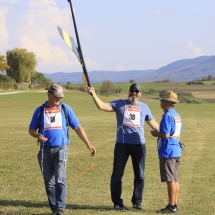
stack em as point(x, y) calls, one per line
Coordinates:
point(159, 134)
point(98, 102)
point(82, 135)
point(153, 124)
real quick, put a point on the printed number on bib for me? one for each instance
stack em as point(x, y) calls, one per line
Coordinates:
point(52, 118)
point(131, 116)
point(177, 127)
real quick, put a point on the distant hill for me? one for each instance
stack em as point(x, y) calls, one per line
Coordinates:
point(178, 71)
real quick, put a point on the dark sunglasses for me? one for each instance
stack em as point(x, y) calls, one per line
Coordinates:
point(136, 91)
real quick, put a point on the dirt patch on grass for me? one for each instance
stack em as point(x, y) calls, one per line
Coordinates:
point(209, 100)
point(204, 95)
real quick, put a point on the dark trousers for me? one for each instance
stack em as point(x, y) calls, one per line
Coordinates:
point(121, 154)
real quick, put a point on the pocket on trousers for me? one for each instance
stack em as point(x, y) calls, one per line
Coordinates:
point(62, 155)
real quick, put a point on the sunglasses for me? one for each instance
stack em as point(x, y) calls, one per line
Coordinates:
point(132, 91)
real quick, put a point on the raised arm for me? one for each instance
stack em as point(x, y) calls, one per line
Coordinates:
point(98, 102)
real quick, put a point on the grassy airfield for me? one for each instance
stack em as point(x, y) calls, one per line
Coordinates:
point(21, 183)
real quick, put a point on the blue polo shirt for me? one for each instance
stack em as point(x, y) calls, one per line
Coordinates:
point(57, 135)
point(169, 148)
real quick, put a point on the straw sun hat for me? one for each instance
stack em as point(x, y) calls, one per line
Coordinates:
point(170, 96)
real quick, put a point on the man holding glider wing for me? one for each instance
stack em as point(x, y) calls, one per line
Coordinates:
point(131, 115)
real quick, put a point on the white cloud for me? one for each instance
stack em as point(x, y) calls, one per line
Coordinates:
point(41, 3)
point(37, 32)
point(122, 65)
point(52, 58)
point(158, 12)
point(35, 29)
point(91, 65)
point(124, 60)
point(3, 29)
point(9, 1)
point(194, 49)
point(86, 32)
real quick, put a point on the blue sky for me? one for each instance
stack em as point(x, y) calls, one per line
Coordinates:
point(114, 34)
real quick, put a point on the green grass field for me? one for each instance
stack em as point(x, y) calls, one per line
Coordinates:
point(21, 185)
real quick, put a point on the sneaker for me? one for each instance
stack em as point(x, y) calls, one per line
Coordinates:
point(53, 213)
point(167, 210)
point(120, 207)
point(138, 206)
point(177, 208)
point(60, 212)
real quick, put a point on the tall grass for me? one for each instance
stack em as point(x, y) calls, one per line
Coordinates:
point(21, 184)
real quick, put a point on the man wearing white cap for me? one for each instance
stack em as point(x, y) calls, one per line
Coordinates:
point(169, 150)
point(53, 119)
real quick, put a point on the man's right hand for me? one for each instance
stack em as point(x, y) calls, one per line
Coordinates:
point(41, 138)
point(91, 90)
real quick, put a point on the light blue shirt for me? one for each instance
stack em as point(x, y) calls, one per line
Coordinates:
point(130, 123)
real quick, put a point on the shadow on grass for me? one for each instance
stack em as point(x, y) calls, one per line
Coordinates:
point(88, 207)
point(29, 204)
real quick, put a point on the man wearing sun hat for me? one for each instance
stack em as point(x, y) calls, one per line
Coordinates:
point(169, 150)
point(50, 124)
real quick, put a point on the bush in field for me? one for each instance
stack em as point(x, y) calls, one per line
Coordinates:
point(195, 83)
point(6, 82)
point(184, 94)
point(189, 101)
point(150, 91)
point(208, 78)
point(107, 88)
point(161, 93)
point(81, 88)
point(118, 90)
point(15, 86)
point(69, 87)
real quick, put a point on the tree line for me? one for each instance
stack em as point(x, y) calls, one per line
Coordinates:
point(20, 66)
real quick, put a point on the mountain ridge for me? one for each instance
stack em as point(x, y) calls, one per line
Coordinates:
point(177, 71)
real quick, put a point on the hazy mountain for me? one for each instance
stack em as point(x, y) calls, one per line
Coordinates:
point(181, 70)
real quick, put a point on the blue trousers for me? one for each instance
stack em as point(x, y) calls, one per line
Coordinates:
point(121, 154)
point(53, 165)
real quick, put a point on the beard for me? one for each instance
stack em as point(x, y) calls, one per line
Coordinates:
point(133, 99)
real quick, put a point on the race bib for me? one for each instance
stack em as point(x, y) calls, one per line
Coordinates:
point(131, 116)
point(52, 118)
point(177, 127)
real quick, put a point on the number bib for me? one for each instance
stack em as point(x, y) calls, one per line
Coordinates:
point(177, 127)
point(52, 118)
point(131, 116)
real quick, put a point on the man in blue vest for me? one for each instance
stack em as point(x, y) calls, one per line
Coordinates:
point(53, 120)
point(169, 150)
point(131, 115)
